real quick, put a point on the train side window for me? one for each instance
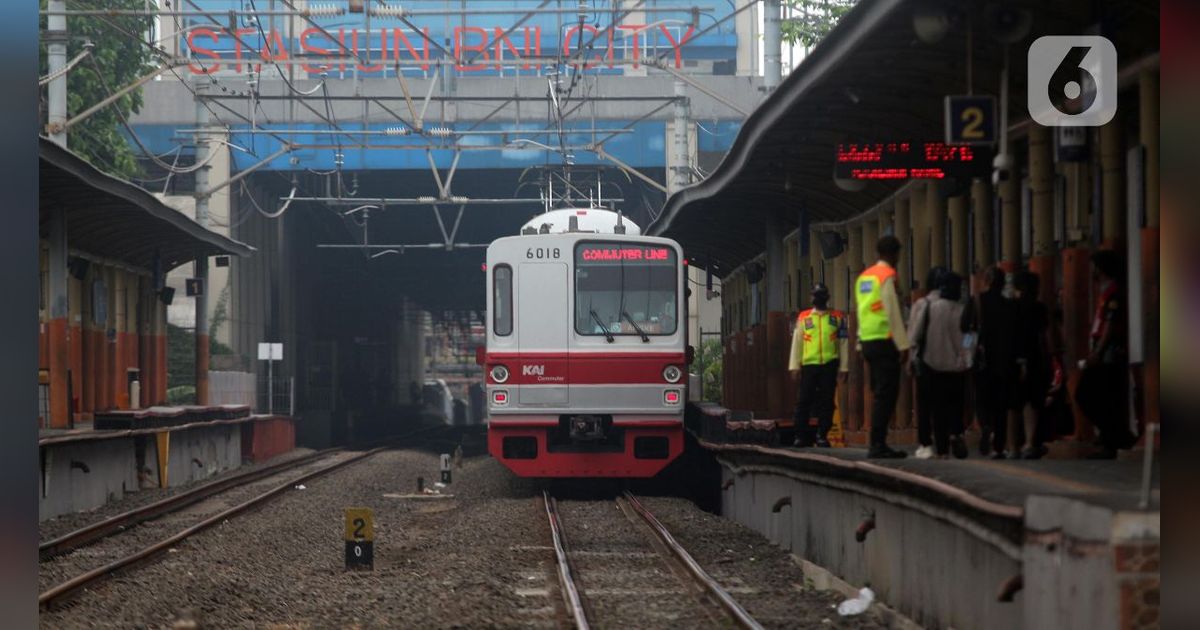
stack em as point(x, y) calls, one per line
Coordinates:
point(502, 310)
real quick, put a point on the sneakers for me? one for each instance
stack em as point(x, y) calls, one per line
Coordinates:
point(924, 452)
point(885, 452)
point(958, 446)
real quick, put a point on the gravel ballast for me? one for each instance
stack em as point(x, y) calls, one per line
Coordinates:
point(480, 559)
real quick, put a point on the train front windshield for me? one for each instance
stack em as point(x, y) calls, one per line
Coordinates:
point(625, 289)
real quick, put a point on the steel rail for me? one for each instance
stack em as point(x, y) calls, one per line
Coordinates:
point(121, 522)
point(727, 602)
point(566, 580)
point(55, 593)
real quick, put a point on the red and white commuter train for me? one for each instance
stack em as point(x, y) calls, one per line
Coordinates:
point(586, 359)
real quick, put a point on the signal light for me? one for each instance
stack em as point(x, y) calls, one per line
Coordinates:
point(500, 397)
point(671, 397)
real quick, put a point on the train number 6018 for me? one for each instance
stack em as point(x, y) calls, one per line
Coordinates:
point(543, 252)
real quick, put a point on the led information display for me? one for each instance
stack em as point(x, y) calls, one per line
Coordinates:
point(911, 160)
point(632, 253)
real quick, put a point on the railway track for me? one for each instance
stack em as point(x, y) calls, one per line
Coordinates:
point(609, 567)
point(275, 480)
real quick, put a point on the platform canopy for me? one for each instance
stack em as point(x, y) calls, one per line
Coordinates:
point(872, 79)
point(114, 219)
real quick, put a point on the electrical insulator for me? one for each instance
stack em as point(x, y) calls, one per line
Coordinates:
point(391, 10)
point(396, 131)
point(327, 10)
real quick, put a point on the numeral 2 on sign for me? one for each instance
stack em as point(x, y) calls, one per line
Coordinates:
point(360, 539)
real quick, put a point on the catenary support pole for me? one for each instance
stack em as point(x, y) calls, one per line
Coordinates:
point(772, 45)
point(203, 147)
point(680, 127)
point(56, 57)
point(59, 350)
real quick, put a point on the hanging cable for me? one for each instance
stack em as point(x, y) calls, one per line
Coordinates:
point(278, 213)
point(87, 50)
point(138, 141)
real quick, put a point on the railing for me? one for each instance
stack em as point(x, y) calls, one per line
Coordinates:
point(276, 396)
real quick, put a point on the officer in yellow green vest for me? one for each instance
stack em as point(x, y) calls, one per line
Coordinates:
point(818, 359)
point(883, 340)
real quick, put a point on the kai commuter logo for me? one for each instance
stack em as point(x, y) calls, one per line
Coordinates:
point(533, 370)
point(1072, 81)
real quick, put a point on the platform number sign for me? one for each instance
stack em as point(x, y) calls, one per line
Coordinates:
point(970, 119)
point(360, 539)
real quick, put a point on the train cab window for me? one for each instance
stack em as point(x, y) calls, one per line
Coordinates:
point(502, 309)
point(626, 289)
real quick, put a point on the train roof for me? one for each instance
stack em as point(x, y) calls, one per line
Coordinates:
point(593, 220)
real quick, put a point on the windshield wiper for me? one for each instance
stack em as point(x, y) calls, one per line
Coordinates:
point(596, 318)
point(645, 337)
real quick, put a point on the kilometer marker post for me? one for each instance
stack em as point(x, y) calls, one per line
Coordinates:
point(360, 539)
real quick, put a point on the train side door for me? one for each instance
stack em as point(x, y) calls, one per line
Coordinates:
point(543, 320)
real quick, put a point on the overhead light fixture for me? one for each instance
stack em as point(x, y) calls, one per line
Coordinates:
point(931, 22)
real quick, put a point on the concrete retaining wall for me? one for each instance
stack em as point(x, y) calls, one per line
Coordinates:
point(113, 466)
point(111, 472)
point(930, 564)
point(943, 560)
point(1090, 566)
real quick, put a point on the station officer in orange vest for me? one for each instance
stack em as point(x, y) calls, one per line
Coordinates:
point(818, 359)
point(883, 339)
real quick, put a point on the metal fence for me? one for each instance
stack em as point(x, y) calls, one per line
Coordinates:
point(276, 396)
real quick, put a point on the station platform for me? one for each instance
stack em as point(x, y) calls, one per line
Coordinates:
point(959, 543)
point(87, 466)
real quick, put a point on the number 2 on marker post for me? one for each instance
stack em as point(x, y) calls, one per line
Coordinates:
point(360, 538)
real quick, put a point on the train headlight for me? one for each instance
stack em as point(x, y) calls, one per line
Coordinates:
point(499, 373)
point(672, 374)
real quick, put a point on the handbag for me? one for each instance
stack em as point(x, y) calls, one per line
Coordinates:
point(919, 366)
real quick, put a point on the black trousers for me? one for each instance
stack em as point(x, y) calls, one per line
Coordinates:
point(994, 396)
point(1101, 397)
point(946, 397)
point(925, 395)
point(884, 361)
point(818, 384)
